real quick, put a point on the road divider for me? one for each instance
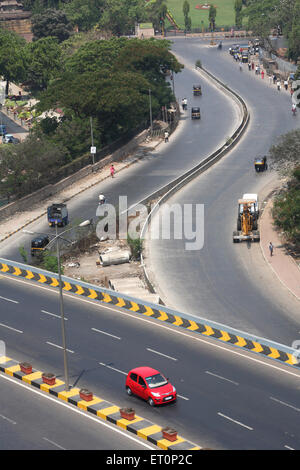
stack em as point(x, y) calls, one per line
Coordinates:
point(240, 339)
point(87, 401)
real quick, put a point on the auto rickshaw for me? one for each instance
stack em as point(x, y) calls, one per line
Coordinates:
point(195, 113)
point(38, 244)
point(260, 164)
point(197, 90)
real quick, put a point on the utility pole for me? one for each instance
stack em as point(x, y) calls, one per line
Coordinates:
point(150, 106)
point(93, 149)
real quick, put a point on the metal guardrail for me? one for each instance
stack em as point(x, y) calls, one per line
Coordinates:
point(207, 328)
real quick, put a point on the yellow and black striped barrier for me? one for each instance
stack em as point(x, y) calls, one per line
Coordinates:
point(98, 407)
point(267, 348)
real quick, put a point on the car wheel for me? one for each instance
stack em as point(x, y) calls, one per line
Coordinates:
point(151, 401)
point(129, 391)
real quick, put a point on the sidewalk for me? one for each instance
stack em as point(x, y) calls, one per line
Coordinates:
point(282, 264)
point(20, 220)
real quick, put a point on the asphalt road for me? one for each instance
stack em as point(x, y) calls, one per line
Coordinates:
point(228, 399)
point(223, 281)
point(31, 420)
point(184, 150)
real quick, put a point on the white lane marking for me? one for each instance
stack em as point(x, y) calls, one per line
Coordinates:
point(236, 422)
point(104, 333)
point(184, 398)
point(52, 314)
point(8, 419)
point(243, 354)
point(76, 410)
point(59, 347)
point(54, 443)
point(220, 377)
point(161, 354)
point(9, 300)
point(289, 448)
point(11, 328)
point(112, 368)
point(285, 404)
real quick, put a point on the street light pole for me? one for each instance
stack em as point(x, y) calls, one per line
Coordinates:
point(62, 313)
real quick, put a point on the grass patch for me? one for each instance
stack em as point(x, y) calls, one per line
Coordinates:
point(225, 13)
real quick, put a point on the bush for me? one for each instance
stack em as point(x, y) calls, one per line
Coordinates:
point(135, 245)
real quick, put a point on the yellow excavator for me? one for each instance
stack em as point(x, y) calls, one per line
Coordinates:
point(246, 222)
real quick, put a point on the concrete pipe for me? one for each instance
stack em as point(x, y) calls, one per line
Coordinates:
point(115, 258)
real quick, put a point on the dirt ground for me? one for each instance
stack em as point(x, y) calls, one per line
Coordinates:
point(85, 266)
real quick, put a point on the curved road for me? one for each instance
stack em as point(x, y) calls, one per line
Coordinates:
point(225, 282)
point(227, 398)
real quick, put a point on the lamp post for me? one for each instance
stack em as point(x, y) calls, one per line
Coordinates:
point(61, 302)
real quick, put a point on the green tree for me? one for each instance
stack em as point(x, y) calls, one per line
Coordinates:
point(51, 23)
point(43, 62)
point(12, 57)
point(294, 35)
point(286, 210)
point(119, 16)
point(187, 19)
point(95, 55)
point(285, 154)
point(238, 5)
point(212, 17)
point(156, 13)
point(84, 14)
point(28, 166)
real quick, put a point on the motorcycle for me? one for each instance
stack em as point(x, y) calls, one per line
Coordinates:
point(220, 45)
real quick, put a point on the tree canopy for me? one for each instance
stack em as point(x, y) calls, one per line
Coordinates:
point(51, 23)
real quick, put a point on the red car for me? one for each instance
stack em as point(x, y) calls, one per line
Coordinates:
point(150, 385)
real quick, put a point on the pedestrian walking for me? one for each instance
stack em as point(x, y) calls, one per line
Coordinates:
point(274, 78)
point(256, 69)
point(249, 66)
point(252, 65)
point(286, 84)
point(278, 85)
point(262, 74)
point(270, 79)
point(166, 136)
point(112, 171)
point(271, 248)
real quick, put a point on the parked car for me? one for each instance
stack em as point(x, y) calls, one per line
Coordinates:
point(151, 385)
point(10, 139)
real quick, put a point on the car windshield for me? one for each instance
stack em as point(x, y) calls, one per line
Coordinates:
point(155, 381)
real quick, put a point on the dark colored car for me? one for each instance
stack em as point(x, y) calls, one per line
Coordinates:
point(151, 385)
point(38, 244)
